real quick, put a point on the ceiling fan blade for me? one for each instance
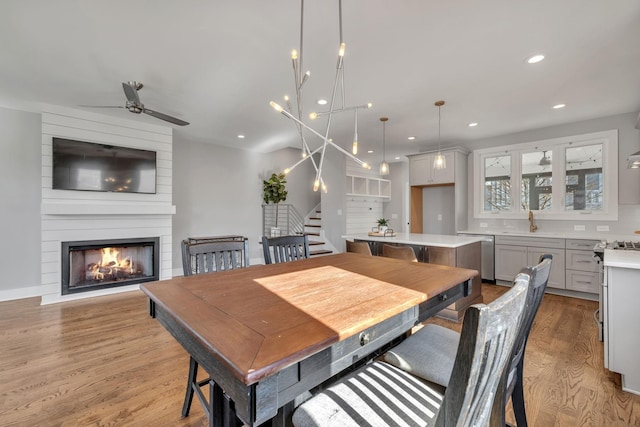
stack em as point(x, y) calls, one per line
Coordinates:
point(101, 106)
point(165, 117)
point(131, 93)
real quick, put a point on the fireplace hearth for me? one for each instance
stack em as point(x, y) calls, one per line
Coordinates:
point(98, 264)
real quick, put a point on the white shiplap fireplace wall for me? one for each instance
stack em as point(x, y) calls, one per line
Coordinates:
point(87, 215)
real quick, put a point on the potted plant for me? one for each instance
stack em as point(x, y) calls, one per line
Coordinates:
point(273, 191)
point(383, 225)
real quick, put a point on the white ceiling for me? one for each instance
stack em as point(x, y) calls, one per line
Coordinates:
point(217, 64)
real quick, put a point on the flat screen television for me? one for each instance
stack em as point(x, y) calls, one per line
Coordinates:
point(80, 165)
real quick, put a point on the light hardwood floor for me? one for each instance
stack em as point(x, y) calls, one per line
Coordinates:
point(104, 361)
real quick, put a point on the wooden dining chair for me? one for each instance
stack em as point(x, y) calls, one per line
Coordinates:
point(358, 247)
point(430, 353)
point(380, 394)
point(285, 248)
point(208, 255)
point(400, 252)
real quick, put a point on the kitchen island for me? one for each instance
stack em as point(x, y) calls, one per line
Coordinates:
point(453, 251)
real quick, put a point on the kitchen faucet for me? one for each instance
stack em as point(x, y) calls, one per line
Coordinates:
point(532, 226)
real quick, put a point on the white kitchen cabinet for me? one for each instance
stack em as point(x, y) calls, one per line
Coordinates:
point(444, 187)
point(622, 341)
point(422, 172)
point(582, 272)
point(368, 186)
point(515, 252)
point(509, 261)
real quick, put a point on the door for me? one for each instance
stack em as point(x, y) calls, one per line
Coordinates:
point(557, 275)
point(509, 261)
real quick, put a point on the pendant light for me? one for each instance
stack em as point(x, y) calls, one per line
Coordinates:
point(384, 166)
point(439, 161)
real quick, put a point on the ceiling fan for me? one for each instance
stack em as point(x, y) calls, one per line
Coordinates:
point(544, 161)
point(135, 106)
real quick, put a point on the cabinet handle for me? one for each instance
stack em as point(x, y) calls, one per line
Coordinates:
point(584, 281)
point(584, 262)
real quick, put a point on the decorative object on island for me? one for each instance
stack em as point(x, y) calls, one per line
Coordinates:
point(383, 225)
point(384, 166)
point(439, 162)
point(273, 191)
point(300, 79)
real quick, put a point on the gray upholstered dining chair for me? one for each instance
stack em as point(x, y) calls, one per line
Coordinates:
point(358, 247)
point(430, 353)
point(207, 255)
point(380, 394)
point(285, 248)
point(400, 252)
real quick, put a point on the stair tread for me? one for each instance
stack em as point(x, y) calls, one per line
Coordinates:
point(320, 252)
point(315, 243)
point(318, 218)
point(313, 225)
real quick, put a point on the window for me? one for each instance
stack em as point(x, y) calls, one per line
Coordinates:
point(497, 184)
point(564, 178)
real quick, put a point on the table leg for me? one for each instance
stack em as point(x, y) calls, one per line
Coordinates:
point(216, 404)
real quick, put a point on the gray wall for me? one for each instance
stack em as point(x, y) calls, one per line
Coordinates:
point(628, 142)
point(628, 179)
point(20, 190)
point(218, 191)
point(398, 205)
point(334, 201)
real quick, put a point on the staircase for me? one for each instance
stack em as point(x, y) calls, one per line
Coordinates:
point(291, 222)
point(312, 228)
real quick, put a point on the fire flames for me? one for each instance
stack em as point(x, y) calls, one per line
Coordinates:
point(110, 267)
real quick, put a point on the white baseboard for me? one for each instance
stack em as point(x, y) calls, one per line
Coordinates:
point(20, 293)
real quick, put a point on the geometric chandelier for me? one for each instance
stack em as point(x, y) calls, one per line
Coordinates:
point(300, 79)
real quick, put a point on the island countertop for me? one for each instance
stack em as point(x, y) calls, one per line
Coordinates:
point(438, 240)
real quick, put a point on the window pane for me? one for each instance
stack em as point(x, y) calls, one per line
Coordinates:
point(497, 183)
point(584, 183)
point(536, 181)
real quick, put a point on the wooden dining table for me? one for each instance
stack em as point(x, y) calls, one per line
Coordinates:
point(267, 334)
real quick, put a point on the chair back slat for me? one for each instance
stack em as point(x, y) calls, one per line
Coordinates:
point(207, 256)
point(486, 344)
point(285, 248)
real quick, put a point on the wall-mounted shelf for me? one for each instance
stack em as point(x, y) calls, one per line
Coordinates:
point(368, 186)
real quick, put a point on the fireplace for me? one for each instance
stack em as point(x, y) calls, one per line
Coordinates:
point(98, 264)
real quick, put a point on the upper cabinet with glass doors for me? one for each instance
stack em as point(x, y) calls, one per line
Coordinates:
point(563, 178)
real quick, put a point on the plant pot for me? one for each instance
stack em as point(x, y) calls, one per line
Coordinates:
point(382, 229)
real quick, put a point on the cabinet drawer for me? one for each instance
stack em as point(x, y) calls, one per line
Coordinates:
point(538, 242)
point(581, 245)
point(583, 282)
point(581, 260)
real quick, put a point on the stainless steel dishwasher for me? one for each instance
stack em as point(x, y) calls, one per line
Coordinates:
point(487, 253)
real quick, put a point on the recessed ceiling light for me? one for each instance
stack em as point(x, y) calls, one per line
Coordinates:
point(370, 151)
point(472, 125)
point(535, 59)
point(397, 157)
point(558, 106)
point(240, 136)
point(322, 102)
point(411, 138)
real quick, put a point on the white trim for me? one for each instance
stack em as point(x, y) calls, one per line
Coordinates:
point(57, 297)
point(21, 293)
point(609, 139)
